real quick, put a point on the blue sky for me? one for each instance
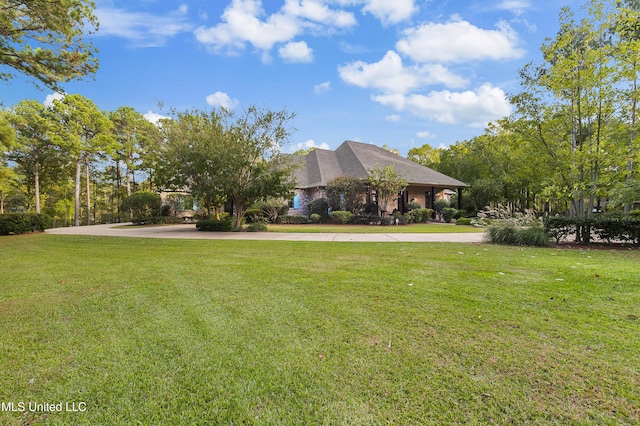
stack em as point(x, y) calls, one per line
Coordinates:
point(399, 73)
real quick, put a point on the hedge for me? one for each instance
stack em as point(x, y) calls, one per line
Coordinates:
point(292, 220)
point(603, 228)
point(22, 223)
point(341, 216)
point(213, 225)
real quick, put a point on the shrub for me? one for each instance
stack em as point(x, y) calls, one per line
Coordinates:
point(257, 227)
point(319, 206)
point(365, 219)
point(345, 193)
point(448, 213)
point(22, 223)
point(143, 204)
point(609, 229)
point(402, 219)
point(293, 220)
point(507, 233)
point(315, 218)
point(341, 217)
point(213, 225)
point(386, 221)
point(421, 215)
point(158, 220)
point(463, 221)
point(413, 205)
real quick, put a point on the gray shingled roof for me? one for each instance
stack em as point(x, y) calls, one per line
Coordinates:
point(354, 159)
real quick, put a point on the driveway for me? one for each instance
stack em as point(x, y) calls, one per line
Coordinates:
point(190, 232)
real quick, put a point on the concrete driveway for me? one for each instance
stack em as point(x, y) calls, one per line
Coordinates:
point(190, 232)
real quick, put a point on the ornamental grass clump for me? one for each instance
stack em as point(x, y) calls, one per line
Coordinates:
point(510, 234)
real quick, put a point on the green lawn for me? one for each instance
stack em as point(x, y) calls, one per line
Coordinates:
point(418, 228)
point(148, 331)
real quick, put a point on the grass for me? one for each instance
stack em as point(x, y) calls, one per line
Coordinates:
point(418, 228)
point(149, 331)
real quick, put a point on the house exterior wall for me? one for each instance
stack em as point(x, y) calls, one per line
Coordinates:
point(305, 196)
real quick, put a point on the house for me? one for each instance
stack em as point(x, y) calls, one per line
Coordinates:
point(355, 159)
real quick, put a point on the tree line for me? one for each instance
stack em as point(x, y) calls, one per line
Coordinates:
point(71, 160)
point(571, 146)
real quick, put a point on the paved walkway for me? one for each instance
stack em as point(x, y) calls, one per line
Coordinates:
point(190, 232)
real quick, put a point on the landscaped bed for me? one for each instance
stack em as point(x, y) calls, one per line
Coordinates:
point(256, 332)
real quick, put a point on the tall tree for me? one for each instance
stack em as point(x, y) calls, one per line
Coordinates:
point(254, 167)
point(45, 39)
point(131, 132)
point(626, 27)
point(191, 157)
point(575, 83)
point(85, 131)
point(35, 141)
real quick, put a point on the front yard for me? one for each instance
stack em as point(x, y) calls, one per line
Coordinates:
point(141, 331)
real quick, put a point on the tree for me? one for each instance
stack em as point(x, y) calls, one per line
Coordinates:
point(254, 167)
point(387, 183)
point(425, 155)
point(85, 131)
point(192, 156)
point(345, 193)
point(35, 145)
point(627, 28)
point(131, 132)
point(45, 39)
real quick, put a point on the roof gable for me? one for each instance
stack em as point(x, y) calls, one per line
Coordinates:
point(355, 159)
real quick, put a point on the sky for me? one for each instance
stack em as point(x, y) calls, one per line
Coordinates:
point(400, 73)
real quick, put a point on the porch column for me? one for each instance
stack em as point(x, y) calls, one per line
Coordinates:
point(459, 198)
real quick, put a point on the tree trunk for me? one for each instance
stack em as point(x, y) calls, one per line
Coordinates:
point(88, 187)
point(36, 176)
point(76, 207)
point(128, 183)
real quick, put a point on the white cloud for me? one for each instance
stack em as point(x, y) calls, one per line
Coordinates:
point(241, 25)
point(317, 11)
point(459, 41)
point(390, 11)
point(308, 144)
point(246, 22)
point(222, 100)
point(321, 88)
point(296, 52)
point(142, 29)
point(154, 117)
point(517, 7)
point(391, 76)
point(471, 108)
point(48, 101)
point(426, 135)
point(394, 118)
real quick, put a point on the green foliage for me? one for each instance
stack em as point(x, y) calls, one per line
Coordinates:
point(319, 206)
point(45, 40)
point(315, 218)
point(213, 225)
point(413, 205)
point(463, 221)
point(448, 213)
point(346, 193)
point(604, 229)
point(422, 215)
point(507, 233)
point(22, 223)
point(143, 204)
point(293, 220)
point(271, 208)
point(257, 227)
point(341, 217)
point(387, 183)
point(158, 220)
